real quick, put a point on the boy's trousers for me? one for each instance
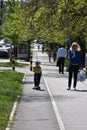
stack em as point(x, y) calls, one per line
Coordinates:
point(37, 78)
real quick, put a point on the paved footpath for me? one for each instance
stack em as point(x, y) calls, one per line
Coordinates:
point(52, 108)
point(35, 110)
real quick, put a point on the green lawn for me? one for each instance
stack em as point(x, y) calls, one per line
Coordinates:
point(8, 64)
point(10, 91)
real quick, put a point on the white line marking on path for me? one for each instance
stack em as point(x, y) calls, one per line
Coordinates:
point(59, 119)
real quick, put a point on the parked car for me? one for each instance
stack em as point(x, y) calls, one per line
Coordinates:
point(5, 48)
point(4, 53)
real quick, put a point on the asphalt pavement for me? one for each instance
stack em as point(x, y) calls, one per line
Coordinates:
point(53, 107)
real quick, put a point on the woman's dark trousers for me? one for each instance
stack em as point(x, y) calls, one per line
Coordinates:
point(73, 71)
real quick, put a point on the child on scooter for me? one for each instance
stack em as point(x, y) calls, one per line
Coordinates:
point(37, 75)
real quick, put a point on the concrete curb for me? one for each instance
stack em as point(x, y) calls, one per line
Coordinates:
point(11, 118)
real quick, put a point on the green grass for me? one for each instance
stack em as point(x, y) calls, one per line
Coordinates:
point(8, 64)
point(10, 91)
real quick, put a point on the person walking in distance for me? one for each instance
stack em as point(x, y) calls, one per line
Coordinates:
point(42, 49)
point(49, 55)
point(61, 55)
point(74, 56)
point(54, 54)
point(38, 47)
point(37, 75)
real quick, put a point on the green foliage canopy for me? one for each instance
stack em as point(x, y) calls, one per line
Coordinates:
point(52, 21)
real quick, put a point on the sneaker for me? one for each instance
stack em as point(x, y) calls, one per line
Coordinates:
point(34, 87)
point(38, 88)
point(74, 89)
point(68, 88)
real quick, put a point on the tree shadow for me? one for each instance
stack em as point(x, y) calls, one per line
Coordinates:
point(81, 90)
point(36, 98)
point(56, 75)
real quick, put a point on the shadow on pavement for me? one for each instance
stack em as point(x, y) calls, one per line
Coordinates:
point(36, 98)
point(39, 89)
point(56, 75)
point(81, 90)
point(46, 98)
point(28, 82)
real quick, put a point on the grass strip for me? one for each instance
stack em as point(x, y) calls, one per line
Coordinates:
point(8, 64)
point(10, 91)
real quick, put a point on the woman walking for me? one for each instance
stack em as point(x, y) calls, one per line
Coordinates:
point(74, 56)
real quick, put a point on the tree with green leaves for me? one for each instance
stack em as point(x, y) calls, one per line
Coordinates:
point(52, 21)
point(12, 28)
